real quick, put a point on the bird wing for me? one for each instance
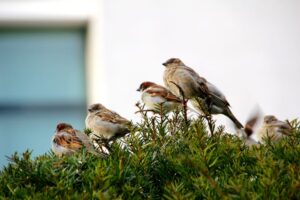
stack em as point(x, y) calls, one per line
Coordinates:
point(112, 117)
point(164, 93)
point(202, 82)
point(84, 138)
point(250, 125)
point(203, 88)
point(217, 96)
point(68, 141)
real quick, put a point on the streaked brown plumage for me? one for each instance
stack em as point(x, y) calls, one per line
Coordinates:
point(68, 140)
point(154, 95)
point(105, 123)
point(196, 87)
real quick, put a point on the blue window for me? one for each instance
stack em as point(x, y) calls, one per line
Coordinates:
point(42, 83)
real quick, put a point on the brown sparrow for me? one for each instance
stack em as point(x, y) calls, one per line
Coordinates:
point(105, 123)
point(154, 95)
point(178, 75)
point(273, 128)
point(67, 140)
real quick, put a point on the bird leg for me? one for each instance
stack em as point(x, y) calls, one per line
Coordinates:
point(207, 116)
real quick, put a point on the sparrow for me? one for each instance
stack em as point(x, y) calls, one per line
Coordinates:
point(179, 77)
point(273, 128)
point(246, 133)
point(105, 124)
point(154, 95)
point(67, 140)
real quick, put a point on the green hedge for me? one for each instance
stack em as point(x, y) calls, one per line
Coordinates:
point(163, 158)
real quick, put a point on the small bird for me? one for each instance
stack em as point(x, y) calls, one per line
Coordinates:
point(68, 140)
point(105, 123)
point(178, 76)
point(273, 128)
point(246, 133)
point(154, 96)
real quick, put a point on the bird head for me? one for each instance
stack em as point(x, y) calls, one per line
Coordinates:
point(145, 85)
point(173, 62)
point(268, 119)
point(281, 126)
point(63, 126)
point(95, 108)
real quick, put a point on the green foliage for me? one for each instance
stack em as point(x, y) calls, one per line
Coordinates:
point(165, 157)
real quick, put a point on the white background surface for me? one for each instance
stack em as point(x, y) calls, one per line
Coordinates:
point(249, 49)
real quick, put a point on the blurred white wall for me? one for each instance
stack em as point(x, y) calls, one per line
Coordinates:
point(249, 49)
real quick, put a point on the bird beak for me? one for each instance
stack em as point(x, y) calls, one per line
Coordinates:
point(139, 89)
point(164, 64)
point(90, 110)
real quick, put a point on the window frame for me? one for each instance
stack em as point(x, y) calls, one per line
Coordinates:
point(65, 14)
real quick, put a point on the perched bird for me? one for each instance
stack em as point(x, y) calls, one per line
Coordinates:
point(154, 96)
point(178, 76)
point(273, 128)
point(246, 133)
point(105, 123)
point(68, 140)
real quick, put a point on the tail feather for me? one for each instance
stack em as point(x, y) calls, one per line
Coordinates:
point(229, 114)
point(214, 109)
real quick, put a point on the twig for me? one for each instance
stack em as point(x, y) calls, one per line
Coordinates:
point(147, 110)
point(212, 182)
point(161, 113)
point(154, 133)
point(101, 142)
point(184, 102)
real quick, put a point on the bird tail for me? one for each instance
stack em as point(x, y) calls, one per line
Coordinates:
point(229, 114)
